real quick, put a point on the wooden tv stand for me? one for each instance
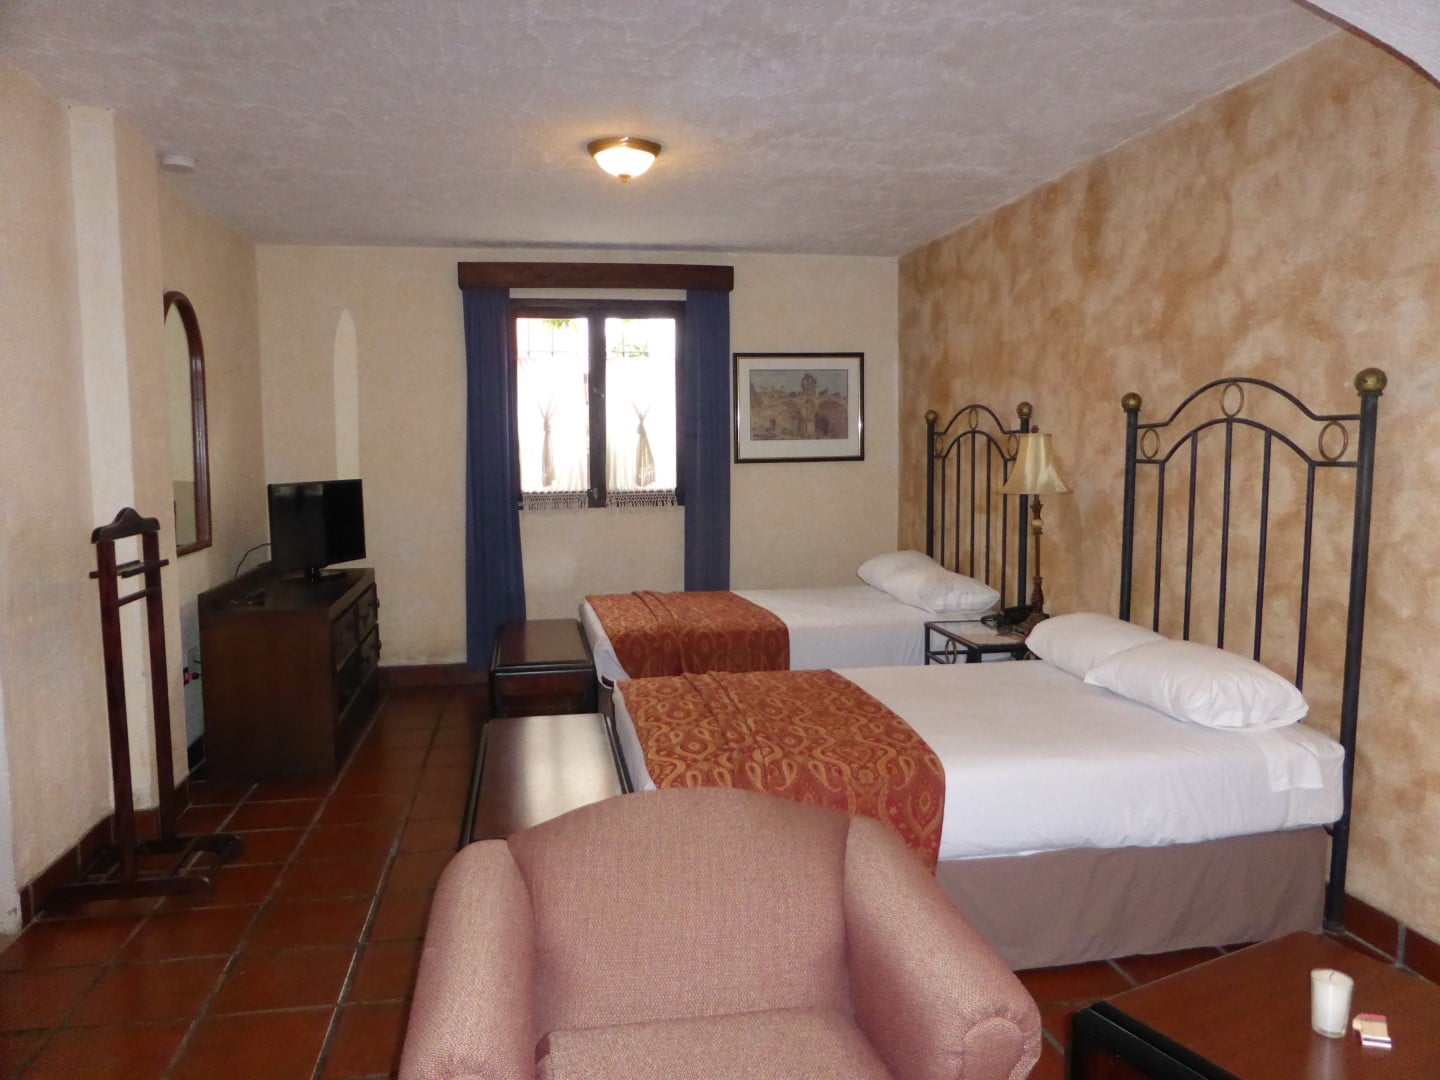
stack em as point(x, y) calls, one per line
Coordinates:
point(288, 667)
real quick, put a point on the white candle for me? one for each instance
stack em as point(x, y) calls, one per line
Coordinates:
point(1330, 1002)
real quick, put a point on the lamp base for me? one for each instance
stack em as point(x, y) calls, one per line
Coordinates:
point(1034, 619)
point(1037, 592)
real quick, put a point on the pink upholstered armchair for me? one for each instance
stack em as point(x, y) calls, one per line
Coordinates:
point(708, 933)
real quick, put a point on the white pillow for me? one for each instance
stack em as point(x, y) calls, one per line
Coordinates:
point(1076, 643)
point(914, 578)
point(1202, 685)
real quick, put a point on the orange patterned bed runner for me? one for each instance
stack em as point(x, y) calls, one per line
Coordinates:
point(669, 633)
point(812, 736)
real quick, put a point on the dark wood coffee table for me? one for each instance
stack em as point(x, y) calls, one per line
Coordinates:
point(1247, 1014)
point(544, 663)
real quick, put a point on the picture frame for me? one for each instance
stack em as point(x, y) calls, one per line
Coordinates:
point(799, 407)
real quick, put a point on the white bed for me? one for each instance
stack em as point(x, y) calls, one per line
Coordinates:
point(1081, 825)
point(840, 627)
point(976, 546)
point(1035, 760)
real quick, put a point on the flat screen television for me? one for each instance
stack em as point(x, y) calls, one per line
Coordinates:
point(316, 523)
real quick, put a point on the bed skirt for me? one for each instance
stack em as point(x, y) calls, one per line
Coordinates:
point(1066, 907)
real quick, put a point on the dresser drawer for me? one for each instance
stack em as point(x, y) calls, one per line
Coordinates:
point(344, 636)
point(357, 669)
point(367, 613)
point(370, 651)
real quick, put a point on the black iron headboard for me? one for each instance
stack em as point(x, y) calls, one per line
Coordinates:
point(966, 464)
point(1273, 420)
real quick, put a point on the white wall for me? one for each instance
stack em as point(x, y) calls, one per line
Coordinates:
point(83, 431)
point(214, 267)
point(49, 631)
point(405, 307)
point(83, 428)
point(9, 887)
point(813, 523)
point(117, 241)
point(791, 524)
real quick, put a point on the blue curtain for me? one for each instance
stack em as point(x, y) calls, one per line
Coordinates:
point(494, 572)
point(705, 424)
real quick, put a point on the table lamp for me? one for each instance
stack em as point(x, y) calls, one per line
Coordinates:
point(1034, 474)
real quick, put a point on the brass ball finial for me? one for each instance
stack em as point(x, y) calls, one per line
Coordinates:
point(1130, 402)
point(1371, 381)
point(931, 416)
point(1025, 410)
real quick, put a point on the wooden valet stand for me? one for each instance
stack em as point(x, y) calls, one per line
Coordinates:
point(117, 870)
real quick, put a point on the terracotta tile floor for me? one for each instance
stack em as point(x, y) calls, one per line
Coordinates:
point(302, 962)
point(1061, 991)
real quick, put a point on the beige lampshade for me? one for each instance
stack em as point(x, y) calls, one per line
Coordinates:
point(1034, 470)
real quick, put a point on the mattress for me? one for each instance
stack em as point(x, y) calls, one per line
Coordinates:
point(1035, 760)
point(838, 627)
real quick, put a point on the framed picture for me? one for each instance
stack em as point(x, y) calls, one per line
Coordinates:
point(799, 407)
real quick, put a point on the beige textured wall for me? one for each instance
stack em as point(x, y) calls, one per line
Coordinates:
point(815, 523)
point(112, 191)
point(143, 329)
point(410, 357)
point(84, 426)
point(1286, 229)
point(792, 524)
point(49, 632)
point(214, 266)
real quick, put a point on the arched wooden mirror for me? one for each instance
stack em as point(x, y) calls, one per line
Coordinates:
point(189, 448)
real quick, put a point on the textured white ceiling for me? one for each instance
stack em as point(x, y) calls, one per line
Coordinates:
point(1411, 28)
point(825, 126)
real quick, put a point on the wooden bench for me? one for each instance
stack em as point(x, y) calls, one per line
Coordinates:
point(542, 666)
point(530, 769)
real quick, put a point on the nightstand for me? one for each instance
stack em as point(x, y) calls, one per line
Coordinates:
point(544, 667)
point(956, 641)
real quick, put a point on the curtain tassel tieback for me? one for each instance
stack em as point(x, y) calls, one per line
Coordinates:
point(644, 459)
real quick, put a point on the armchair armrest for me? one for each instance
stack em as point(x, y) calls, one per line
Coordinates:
point(931, 996)
point(473, 1013)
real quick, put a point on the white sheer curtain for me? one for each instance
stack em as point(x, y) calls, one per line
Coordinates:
point(552, 413)
point(640, 412)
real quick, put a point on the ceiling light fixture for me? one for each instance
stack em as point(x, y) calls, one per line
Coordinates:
point(623, 155)
point(176, 162)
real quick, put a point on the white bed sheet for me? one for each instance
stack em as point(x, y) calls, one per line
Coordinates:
point(835, 627)
point(1035, 760)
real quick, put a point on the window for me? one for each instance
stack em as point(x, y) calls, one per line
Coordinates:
point(602, 431)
